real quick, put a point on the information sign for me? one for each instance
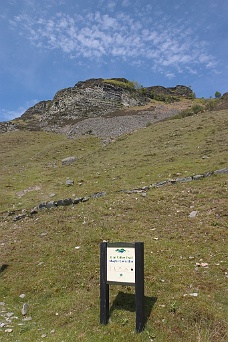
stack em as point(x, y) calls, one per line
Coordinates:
point(121, 265)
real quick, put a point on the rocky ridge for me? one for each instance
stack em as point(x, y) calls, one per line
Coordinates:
point(100, 107)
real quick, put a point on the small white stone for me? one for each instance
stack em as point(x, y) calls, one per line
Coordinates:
point(77, 247)
point(24, 309)
point(9, 330)
point(193, 213)
point(10, 314)
point(22, 295)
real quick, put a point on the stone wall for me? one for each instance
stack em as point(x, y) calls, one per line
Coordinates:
point(142, 190)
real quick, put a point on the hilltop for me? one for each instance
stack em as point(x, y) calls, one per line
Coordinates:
point(89, 105)
point(109, 108)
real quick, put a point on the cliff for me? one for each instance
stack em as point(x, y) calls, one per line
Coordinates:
point(91, 99)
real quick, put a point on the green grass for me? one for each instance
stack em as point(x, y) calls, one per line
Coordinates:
point(61, 282)
point(128, 84)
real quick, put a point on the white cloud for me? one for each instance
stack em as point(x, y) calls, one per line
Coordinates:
point(169, 75)
point(111, 5)
point(164, 44)
point(126, 3)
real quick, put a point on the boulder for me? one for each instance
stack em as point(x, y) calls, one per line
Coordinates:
point(68, 160)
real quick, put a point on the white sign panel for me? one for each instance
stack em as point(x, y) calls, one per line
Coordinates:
point(121, 264)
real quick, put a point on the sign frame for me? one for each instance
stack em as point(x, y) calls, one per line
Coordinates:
point(138, 281)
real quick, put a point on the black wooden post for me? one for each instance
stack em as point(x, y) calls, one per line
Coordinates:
point(104, 287)
point(139, 286)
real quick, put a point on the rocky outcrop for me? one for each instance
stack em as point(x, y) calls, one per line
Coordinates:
point(178, 91)
point(8, 126)
point(223, 102)
point(91, 99)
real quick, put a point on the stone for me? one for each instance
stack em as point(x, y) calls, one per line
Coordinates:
point(34, 211)
point(77, 200)
point(68, 160)
point(193, 213)
point(9, 330)
point(208, 174)
point(220, 172)
point(64, 202)
point(19, 217)
point(197, 177)
point(59, 202)
point(42, 205)
point(10, 314)
point(11, 213)
point(161, 183)
point(69, 182)
point(184, 179)
point(98, 194)
point(24, 309)
point(51, 204)
point(85, 199)
point(67, 201)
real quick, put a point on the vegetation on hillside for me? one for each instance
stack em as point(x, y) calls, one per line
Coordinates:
point(123, 84)
point(52, 257)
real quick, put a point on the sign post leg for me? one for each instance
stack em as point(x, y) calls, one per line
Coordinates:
point(139, 286)
point(104, 287)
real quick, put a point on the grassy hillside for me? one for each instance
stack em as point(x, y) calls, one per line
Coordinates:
point(52, 257)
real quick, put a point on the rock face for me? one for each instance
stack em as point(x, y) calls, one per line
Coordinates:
point(87, 100)
point(223, 103)
point(94, 97)
point(179, 90)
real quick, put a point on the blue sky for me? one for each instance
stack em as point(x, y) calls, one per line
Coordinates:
point(47, 45)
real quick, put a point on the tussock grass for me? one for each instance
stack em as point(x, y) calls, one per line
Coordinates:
point(61, 282)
